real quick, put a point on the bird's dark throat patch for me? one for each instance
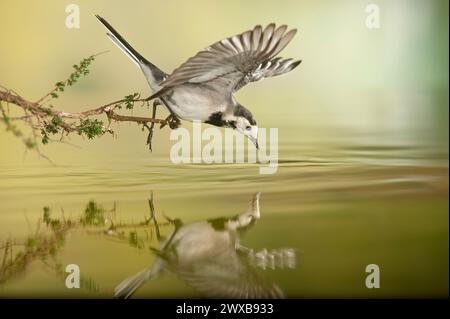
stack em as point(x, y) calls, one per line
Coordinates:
point(216, 119)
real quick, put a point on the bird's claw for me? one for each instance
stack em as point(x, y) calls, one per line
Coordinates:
point(172, 121)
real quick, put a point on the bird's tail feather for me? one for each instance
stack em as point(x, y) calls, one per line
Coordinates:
point(127, 287)
point(153, 73)
point(122, 43)
point(124, 48)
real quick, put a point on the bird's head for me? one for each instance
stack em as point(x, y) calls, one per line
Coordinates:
point(245, 221)
point(245, 123)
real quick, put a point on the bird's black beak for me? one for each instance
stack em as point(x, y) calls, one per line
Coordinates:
point(254, 140)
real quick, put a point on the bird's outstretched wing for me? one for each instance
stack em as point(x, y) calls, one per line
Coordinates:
point(238, 60)
point(226, 275)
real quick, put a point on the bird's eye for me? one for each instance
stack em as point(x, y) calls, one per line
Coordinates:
point(248, 128)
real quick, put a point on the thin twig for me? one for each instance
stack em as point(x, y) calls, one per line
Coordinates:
point(55, 89)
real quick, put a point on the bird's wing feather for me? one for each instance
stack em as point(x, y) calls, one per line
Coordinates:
point(225, 274)
point(238, 60)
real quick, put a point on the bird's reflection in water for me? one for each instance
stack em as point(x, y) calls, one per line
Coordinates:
point(207, 255)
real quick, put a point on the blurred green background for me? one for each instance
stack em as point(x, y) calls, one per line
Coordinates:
point(363, 140)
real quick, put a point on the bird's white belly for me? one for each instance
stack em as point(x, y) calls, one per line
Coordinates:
point(194, 104)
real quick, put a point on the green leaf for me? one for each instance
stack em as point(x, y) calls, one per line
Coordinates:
point(91, 128)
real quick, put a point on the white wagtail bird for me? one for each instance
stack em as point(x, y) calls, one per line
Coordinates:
point(202, 88)
point(208, 257)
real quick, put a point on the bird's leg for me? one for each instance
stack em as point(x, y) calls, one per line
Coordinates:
point(172, 119)
point(150, 128)
point(177, 223)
